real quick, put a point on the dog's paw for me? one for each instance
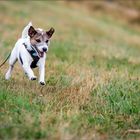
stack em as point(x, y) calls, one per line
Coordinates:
point(33, 78)
point(42, 83)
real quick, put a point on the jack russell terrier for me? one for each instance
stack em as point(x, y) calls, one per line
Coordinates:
point(30, 50)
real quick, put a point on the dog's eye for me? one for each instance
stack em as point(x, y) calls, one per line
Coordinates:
point(38, 40)
point(47, 41)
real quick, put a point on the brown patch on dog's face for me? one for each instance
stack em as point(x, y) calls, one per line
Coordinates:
point(37, 36)
point(31, 31)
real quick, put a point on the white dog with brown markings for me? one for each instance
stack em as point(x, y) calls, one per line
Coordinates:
point(30, 50)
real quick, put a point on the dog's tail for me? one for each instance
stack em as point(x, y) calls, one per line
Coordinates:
point(25, 30)
point(5, 60)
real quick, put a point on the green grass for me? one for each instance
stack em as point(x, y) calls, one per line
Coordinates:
point(92, 75)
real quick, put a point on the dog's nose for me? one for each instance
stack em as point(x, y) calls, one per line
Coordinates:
point(44, 49)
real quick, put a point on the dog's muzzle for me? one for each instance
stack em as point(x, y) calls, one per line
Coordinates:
point(44, 49)
point(40, 53)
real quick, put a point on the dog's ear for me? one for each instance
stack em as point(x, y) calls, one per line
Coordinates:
point(50, 32)
point(31, 31)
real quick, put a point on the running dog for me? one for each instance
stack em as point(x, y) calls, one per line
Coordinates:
point(30, 50)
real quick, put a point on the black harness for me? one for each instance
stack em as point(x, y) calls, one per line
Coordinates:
point(34, 56)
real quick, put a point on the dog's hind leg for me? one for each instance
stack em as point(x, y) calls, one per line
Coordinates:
point(8, 73)
point(12, 61)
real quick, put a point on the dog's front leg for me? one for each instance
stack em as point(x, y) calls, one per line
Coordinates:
point(42, 72)
point(29, 71)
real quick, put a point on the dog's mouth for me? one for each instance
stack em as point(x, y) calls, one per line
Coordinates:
point(40, 53)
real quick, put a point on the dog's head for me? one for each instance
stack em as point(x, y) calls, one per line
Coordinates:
point(40, 39)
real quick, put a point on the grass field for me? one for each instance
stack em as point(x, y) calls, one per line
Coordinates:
point(92, 75)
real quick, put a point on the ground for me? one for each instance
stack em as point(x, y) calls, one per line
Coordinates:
point(92, 75)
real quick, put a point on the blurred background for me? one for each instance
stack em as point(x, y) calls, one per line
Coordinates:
point(128, 10)
point(101, 25)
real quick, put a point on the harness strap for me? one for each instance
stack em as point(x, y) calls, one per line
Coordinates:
point(20, 59)
point(34, 56)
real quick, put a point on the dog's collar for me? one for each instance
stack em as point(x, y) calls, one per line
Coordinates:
point(32, 52)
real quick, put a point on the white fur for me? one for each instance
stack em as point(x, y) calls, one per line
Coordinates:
point(20, 49)
point(25, 30)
